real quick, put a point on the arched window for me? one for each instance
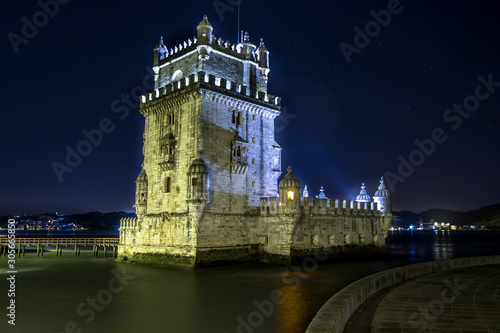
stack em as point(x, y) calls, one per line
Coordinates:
point(240, 119)
point(168, 185)
point(238, 151)
point(233, 119)
point(177, 75)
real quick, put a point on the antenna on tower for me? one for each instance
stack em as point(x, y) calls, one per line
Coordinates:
point(239, 21)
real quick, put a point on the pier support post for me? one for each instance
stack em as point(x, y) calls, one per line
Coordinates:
point(24, 250)
point(19, 250)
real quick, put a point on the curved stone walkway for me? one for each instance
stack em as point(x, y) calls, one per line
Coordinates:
point(463, 300)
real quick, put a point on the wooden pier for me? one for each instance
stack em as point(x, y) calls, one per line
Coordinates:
point(59, 243)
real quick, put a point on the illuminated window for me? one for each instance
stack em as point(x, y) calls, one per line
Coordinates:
point(290, 195)
point(347, 239)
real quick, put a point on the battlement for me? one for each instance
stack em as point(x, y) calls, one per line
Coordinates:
point(203, 80)
point(129, 223)
point(234, 50)
point(315, 206)
point(175, 52)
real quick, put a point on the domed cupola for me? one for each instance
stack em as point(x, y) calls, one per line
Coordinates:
point(198, 166)
point(383, 199)
point(382, 190)
point(263, 55)
point(141, 193)
point(363, 196)
point(289, 191)
point(205, 30)
point(160, 52)
point(289, 180)
point(205, 36)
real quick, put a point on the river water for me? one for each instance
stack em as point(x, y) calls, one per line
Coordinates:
point(55, 295)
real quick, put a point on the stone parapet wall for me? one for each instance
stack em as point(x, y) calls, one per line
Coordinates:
point(336, 312)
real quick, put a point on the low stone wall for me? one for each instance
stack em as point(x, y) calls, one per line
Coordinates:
point(334, 314)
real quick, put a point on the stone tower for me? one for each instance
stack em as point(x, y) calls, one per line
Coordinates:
point(209, 153)
point(208, 190)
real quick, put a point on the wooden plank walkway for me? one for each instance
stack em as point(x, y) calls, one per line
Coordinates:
point(59, 243)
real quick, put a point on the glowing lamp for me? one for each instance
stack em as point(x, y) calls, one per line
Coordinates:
point(290, 195)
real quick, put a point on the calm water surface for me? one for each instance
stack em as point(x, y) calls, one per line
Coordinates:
point(49, 290)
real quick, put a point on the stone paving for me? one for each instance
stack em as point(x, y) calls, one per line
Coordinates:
point(462, 300)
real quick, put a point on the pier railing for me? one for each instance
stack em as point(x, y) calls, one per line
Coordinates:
point(59, 243)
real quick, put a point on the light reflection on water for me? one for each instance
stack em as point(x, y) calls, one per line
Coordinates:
point(208, 300)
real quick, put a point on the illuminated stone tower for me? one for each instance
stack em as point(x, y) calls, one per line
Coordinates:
point(208, 190)
point(209, 153)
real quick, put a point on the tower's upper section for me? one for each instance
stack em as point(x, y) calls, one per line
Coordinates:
point(243, 64)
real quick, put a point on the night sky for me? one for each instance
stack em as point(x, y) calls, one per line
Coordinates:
point(344, 122)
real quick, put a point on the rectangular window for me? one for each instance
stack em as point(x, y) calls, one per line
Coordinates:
point(194, 181)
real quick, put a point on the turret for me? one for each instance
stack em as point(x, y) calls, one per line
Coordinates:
point(247, 48)
point(289, 193)
point(160, 52)
point(141, 193)
point(263, 55)
point(205, 37)
point(363, 196)
point(198, 181)
point(305, 193)
point(321, 193)
point(383, 199)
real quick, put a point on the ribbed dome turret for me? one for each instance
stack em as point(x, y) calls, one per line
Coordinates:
point(204, 23)
point(198, 166)
point(289, 180)
point(382, 190)
point(142, 177)
point(363, 196)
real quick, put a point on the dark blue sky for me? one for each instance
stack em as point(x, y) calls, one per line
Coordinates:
point(345, 123)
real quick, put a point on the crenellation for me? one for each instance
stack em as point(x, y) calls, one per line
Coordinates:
point(213, 81)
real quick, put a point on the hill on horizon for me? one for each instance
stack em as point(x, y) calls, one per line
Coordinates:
point(487, 215)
